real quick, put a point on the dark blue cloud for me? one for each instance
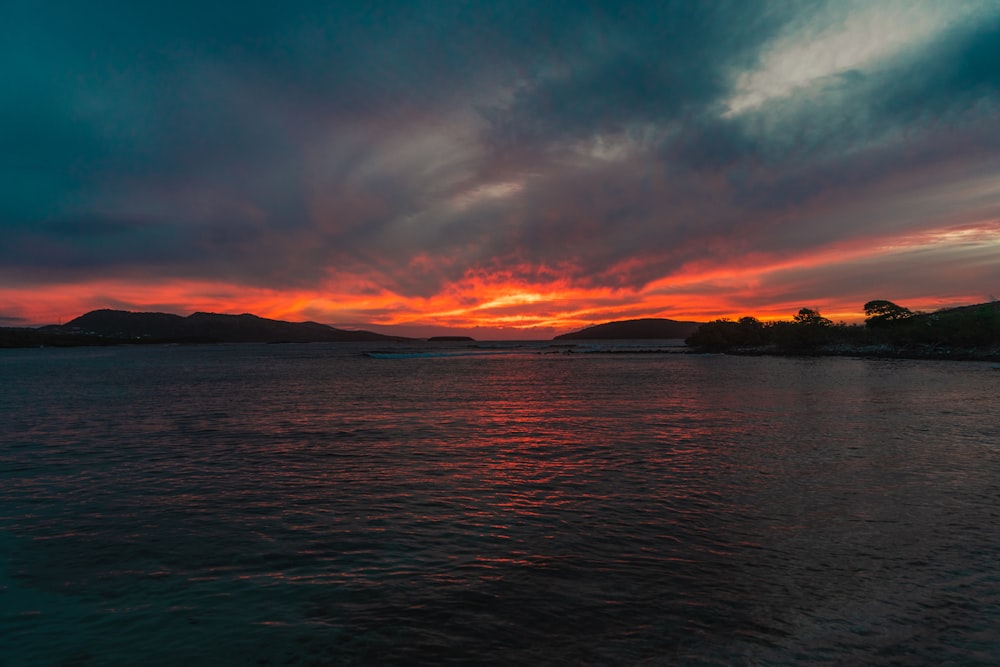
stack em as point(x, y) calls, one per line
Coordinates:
point(657, 64)
point(953, 80)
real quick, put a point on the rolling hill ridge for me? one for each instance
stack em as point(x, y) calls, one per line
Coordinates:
point(647, 328)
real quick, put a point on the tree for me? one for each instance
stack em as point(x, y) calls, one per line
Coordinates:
point(811, 317)
point(724, 334)
point(881, 312)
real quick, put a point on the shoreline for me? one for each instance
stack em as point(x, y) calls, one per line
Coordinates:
point(875, 351)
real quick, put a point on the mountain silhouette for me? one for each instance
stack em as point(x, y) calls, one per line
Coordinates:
point(246, 328)
point(632, 329)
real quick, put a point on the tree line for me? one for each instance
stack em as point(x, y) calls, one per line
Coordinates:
point(891, 327)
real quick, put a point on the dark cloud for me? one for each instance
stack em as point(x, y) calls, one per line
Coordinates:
point(656, 64)
point(953, 80)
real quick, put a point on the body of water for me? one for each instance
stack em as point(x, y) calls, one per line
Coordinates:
point(494, 505)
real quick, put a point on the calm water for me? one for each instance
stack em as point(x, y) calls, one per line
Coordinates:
point(310, 505)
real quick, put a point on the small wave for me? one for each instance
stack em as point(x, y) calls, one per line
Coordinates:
point(420, 355)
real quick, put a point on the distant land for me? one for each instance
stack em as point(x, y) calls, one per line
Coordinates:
point(112, 327)
point(634, 329)
point(890, 331)
point(893, 331)
point(451, 339)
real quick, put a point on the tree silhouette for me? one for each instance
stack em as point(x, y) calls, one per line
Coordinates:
point(881, 312)
point(969, 332)
point(810, 317)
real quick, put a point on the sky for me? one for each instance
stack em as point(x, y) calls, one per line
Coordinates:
point(507, 169)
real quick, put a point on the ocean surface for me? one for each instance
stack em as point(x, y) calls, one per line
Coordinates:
point(464, 504)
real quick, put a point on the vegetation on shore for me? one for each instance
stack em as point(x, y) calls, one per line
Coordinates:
point(890, 330)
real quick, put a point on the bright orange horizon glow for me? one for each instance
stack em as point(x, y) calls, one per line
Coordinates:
point(501, 306)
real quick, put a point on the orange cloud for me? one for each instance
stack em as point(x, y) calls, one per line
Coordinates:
point(527, 302)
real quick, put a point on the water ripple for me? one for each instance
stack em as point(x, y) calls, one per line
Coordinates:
point(309, 505)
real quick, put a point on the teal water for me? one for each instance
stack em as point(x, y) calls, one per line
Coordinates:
point(314, 505)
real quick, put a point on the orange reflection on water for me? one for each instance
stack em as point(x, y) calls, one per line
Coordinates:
point(545, 447)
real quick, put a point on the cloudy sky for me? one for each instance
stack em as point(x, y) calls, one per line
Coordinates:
point(520, 169)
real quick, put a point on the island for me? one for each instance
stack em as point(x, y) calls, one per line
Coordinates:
point(116, 327)
point(648, 328)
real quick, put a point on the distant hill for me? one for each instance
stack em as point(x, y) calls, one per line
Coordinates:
point(633, 329)
point(987, 307)
point(208, 327)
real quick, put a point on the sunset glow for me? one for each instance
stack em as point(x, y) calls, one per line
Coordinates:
point(501, 307)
